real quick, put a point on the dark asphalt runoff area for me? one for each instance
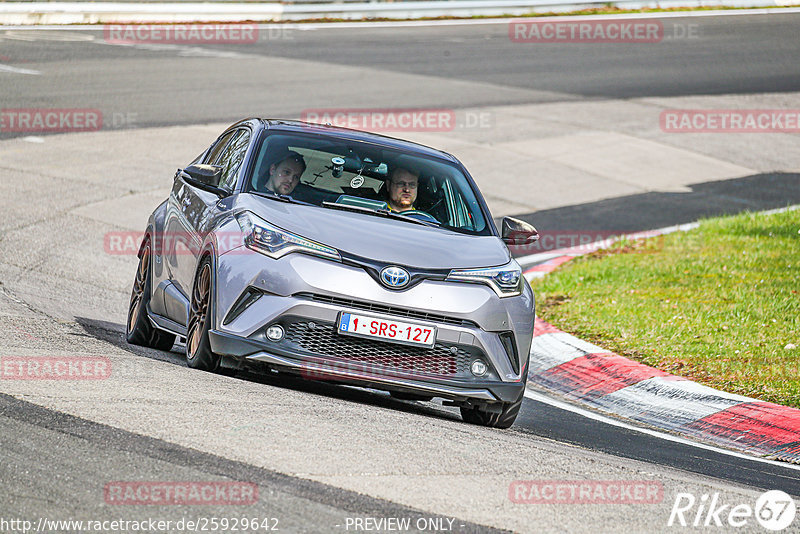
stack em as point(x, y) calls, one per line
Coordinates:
point(172, 87)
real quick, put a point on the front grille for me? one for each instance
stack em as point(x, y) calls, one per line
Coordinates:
point(391, 310)
point(322, 339)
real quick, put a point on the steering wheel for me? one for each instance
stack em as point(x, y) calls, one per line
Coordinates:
point(419, 214)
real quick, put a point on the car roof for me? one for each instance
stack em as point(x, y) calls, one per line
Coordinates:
point(354, 135)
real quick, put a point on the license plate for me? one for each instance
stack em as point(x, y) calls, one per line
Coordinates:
point(353, 324)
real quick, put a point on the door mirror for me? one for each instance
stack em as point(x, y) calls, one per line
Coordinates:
point(205, 177)
point(205, 174)
point(518, 233)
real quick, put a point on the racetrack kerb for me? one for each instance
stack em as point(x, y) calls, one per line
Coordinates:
point(718, 304)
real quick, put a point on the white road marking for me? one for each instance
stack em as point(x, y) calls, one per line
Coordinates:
point(31, 34)
point(17, 70)
point(533, 395)
point(33, 139)
point(181, 50)
point(459, 22)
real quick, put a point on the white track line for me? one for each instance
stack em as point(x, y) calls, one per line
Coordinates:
point(533, 395)
point(16, 70)
point(452, 22)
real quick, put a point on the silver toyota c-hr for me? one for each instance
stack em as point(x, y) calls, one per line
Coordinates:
point(343, 256)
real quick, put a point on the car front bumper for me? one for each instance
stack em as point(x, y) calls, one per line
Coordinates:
point(366, 375)
point(304, 295)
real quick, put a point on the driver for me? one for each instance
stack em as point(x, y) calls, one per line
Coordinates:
point(285, 175)
point(401, 187)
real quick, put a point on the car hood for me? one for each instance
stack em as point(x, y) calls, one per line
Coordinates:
point(386, 240)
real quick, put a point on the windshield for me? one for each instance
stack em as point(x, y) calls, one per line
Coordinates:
point(336, 173)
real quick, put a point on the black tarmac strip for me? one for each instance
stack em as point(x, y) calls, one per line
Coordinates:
point(564, 426)
point(654, 210)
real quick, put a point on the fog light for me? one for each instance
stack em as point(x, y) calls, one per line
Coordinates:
point(478, 368)
point(275, 332)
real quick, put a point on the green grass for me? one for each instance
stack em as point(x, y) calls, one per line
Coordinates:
point(718, 304)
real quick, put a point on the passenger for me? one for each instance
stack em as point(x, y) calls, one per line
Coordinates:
point(285, 175)
point(401, 188)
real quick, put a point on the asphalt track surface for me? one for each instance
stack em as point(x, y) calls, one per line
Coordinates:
point(719, 55)
point(167, 86)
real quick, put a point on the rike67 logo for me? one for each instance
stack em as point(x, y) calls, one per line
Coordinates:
point(774, 510)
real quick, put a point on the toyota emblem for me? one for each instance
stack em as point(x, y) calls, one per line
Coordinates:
point(395, 277)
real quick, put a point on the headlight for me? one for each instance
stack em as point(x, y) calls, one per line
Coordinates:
point(263, 237)
point(505, 280)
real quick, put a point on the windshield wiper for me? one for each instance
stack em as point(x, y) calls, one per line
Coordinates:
point(380, 213)
point(279, 197)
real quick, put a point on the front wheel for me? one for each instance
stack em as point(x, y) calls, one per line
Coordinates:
point(198, 346)
point(477, 415)
point(138, 329)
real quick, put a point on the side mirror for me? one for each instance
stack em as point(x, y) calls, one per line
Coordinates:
point(518, 233)
point(205, 177)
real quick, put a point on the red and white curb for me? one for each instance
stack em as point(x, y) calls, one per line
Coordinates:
point(585, 373)
point(612, 384)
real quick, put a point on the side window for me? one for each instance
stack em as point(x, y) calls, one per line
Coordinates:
point(221, 143)
point(231, 158)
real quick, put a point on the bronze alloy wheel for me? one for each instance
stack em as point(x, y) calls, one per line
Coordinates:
point(200, 298)
point(198, 347)
point(135, 307)
point(139, 331)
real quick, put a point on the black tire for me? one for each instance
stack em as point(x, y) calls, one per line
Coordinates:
point(198, 347)
point(504, 419)
point(138, 330)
